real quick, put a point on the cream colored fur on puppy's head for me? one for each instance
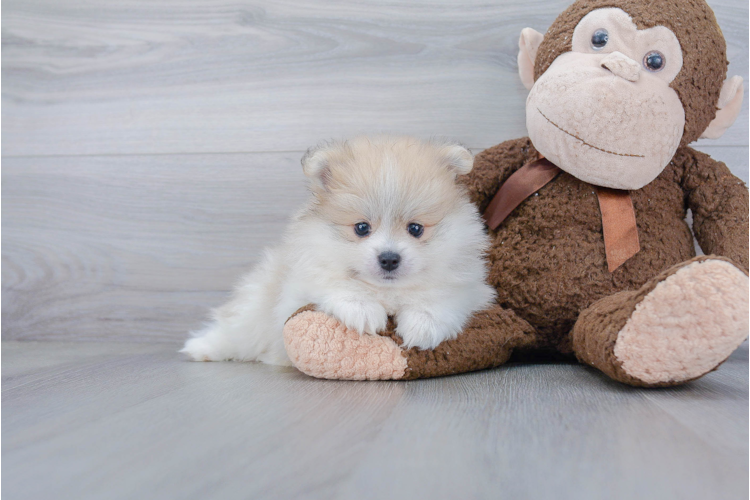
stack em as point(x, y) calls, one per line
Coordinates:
point(390, 183)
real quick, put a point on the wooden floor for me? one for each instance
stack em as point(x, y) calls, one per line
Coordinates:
point(124, 421)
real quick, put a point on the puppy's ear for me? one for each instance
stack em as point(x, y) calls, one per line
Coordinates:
point(316, 163)
point(457, 158)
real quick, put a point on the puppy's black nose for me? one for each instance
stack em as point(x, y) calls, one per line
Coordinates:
point(389, 260)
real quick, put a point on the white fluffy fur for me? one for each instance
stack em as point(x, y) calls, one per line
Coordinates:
point(388, 182)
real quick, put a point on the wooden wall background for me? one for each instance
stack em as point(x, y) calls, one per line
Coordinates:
point(151, 149)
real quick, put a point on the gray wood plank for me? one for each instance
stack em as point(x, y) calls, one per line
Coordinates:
point(693, 411)
point(135, 248)
point(121, 421)
point(135, 76)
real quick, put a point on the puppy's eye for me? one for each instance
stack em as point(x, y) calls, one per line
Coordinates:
point(415, 229)
point(599, 39)
point(362, 229)
point(654, 61)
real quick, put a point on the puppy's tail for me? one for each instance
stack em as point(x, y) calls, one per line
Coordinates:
point(245, 329)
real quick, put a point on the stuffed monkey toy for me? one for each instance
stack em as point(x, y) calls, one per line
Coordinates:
point(591, 255)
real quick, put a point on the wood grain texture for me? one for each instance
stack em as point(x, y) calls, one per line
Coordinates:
point(136, 76)
point(136, 248)
point(123, 421)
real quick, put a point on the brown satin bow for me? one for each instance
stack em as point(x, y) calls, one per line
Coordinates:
point(616, 206)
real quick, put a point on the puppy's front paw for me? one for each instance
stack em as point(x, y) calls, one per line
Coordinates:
point(423, 330)
point(364, 317)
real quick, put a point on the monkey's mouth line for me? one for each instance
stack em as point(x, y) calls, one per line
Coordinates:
point(584, 142)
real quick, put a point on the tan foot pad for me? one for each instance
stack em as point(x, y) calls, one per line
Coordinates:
point(321, 347)
point(687, 325)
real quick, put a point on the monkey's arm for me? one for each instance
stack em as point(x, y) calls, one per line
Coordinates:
point(493, 166)
point(719, 202)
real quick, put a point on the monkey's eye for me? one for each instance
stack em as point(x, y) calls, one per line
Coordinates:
point(654, 61)
point(415, 229)
point(361, 229)
point(599, 39)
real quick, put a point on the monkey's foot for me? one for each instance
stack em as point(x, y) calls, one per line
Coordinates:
point(687, 325)
point(322, 347)
point(677, 327)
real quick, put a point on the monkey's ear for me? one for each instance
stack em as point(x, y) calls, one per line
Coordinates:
point(528, 45)
point(730, 103)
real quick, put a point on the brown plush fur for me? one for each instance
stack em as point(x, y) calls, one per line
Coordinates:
point(704, 65)
point(488, 340)
point(548, 262)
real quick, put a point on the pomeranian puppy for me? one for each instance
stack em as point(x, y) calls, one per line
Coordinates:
point(387, 231)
